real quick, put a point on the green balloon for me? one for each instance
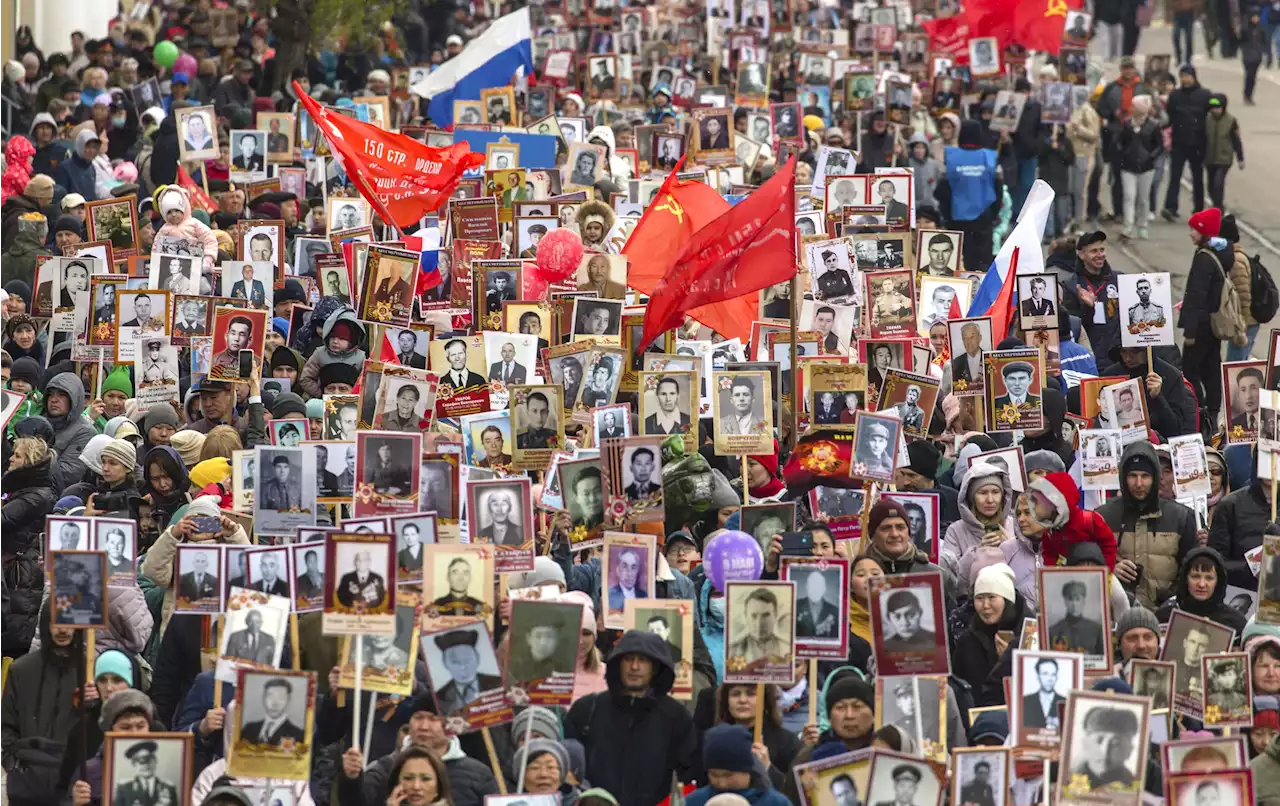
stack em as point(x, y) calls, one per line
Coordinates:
point(166, 53)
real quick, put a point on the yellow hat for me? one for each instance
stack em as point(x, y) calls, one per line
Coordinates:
point(813, 123)
point(210, 471)
point(1097, 91)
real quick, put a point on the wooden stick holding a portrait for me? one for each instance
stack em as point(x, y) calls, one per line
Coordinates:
point(293, 639)
point(813, 689)
point(795, 351)
point(746, 494)
point(758, 733)
point(355, 700)
point(1273, 486)
point(90, 655)
point(493, 760)
point(217, 684)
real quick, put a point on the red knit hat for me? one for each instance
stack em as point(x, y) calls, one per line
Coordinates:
point(1207, 222)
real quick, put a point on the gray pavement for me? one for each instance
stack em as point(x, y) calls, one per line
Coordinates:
point(1253, 194)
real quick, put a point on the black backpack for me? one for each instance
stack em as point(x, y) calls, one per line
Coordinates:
point(1265, 299)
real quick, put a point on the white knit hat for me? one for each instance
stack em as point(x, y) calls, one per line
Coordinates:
point(172, 200)
point(997, 579)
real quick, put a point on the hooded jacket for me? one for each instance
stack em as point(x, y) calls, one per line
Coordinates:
point(618, 167)
point(77, 174)
point(17, 159)
point(163, 506)
point(965, 535)
point(1071, 524)
point(938, 148)
point(614, 724)
point(36, 713)
point(163, 164)
point(1237, 527)
point(1266, 776)
point(20, 253)
point(309, 378)
point(191, 229)
point(158, 562)
point(1172, 412)
point(73, 430)
point(1216, 607)
point(29, 497)
point(1154, 533)
point(1222, 136)
point(1055, 411)
point(928, 171)
point(760, 792)
point(48, 157)
point(970, 193)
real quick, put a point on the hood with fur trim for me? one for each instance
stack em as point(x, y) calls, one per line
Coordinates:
point(1070, 525)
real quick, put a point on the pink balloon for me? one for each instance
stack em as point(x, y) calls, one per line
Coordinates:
point(186, 63)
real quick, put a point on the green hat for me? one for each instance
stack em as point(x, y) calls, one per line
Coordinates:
point(118, 381)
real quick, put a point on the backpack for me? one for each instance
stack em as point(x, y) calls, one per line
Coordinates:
point(1227, 321)
point(1266, 300)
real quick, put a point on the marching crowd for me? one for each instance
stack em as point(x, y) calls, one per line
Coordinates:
point(79, 134)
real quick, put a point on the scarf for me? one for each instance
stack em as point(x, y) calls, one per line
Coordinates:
point(859, 620)
point(774, 485)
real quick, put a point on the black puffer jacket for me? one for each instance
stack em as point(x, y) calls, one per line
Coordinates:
point(975, 658)
point(634, 743)
point(1173, 411)
point(470, 781)
point(1239, 521)
point(28, 499)
point(36, 714)
point(1216, 608)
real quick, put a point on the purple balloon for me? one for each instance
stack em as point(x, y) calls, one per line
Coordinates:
point(186, 63)
point(732, 557)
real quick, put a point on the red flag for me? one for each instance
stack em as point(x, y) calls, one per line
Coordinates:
point(199, 199)
point(1002, 310)
point(949, 36)
point(402, 178)
point(1038, 25)
point(680, 208)
point(750, 247)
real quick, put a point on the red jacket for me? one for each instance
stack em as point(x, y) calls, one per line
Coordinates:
point(1071, 523)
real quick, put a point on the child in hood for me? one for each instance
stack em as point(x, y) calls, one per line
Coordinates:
point(175, 208)
point(24, 377)
point(926, 168)
point(342, 337)
point(1057, 508)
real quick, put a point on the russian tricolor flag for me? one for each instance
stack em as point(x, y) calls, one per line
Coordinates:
point(490, 60)
point(1020, 253)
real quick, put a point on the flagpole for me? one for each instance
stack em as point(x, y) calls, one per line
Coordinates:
point(795, 373)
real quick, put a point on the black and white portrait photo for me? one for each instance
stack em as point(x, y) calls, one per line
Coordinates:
point(612, 422)
point(1074, 611)
point(255, 634)
point(437, 486)
point(197, 134)
point(510, 356)
point(899, 779)
point(410, 346)
point(198, 590)
point(148, 769)
point(969, 339)
point(984, 56)
point(308, 581)
point(536, 411)
point(585, 166)
point(1154, 679)
point(641, 473)
point(819, 592)
point(275, 708)
point(907, 620)
point(500, 513)
point(1228, 694)
point(462, 665)
point(831, 265)
point(759, 630)
point(899, 705)
point(582, 485)
point(177, 273)
point(285, 497)
point(387, 462)
point(118, 540)
point(362, 572)
point(544, 640)
point(938, 253)
point(874, 455)
point(248, 155)
point(1104, 747)
point(406, 404)
point(714, 131)
point(741, 406)
point(413, 533)
point(269, 570)
point(1042, 681)
point(1146, 309)
point(78, 593)
point(335, 470)
point(764, 521)
point(666, 402)
point(981, 776)
point(597, 319)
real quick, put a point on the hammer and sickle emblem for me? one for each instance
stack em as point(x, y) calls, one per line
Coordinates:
point(672, 206)
point(1056, 8)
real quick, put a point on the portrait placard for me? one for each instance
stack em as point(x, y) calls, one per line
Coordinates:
point(1190, 466)
point(908, 627)
point(538, 420)
point(834, 781)
point(413, 534)
point(466, 680)
point(285, 499)
point(308, 563)
point(1038, 301)
point(457, 585)
point(390, 279)
point(254, 630)
point(543, 653)
point(672, 621)
point(1228, 690)
point(500, 513)
point(894, 775)
point(359, 580)
point(822, 605)
point(273, 724)
point(1154, 679)
point(891, 305)
point(742, 413)
point(1188, 639)
point(388, 659)
point(135, 765)
point(939, 253)
point(1124, 406)
point(632, 479)
point(668, 404)
point(1146, 309)
point(1014, 379)
point(911, 398)
point(117, 538)
point(1041, 682)
point(759, 631)
point(1099, 771)
point(627, 572)
point(197, 134)
point(876, 450)
point(388, 472)
point(981, 775)
point(970, 340)
point(78, 589)
point(837, 392)
point(1226, 751)
point(1075, 613)
point(1241, 386)
point(1099, 456)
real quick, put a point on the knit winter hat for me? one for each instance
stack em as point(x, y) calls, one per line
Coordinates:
point(885, 508)
point(545, 571)
point(68, 223)
point(26, 368)
point(117, 380)
point(288, 404)
point(597, 792)
point(538, 747)
point(338, 372)
point(727, 747)
point(545, 723)
point(850, 687)
point(588, 609)
point(188, 445)
point(160, 414)
point(122, 451)
point(210, 471)
point(1137, 617)
point(128, 700)
point(1207, 222)
point(997, 579)
point(113, 661)
point(923, 458)
point(1048, 461)
point(280, 325)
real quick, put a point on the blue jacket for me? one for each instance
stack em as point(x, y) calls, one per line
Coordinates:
point(198, 702)
point(971, 172)
point(76, 173)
